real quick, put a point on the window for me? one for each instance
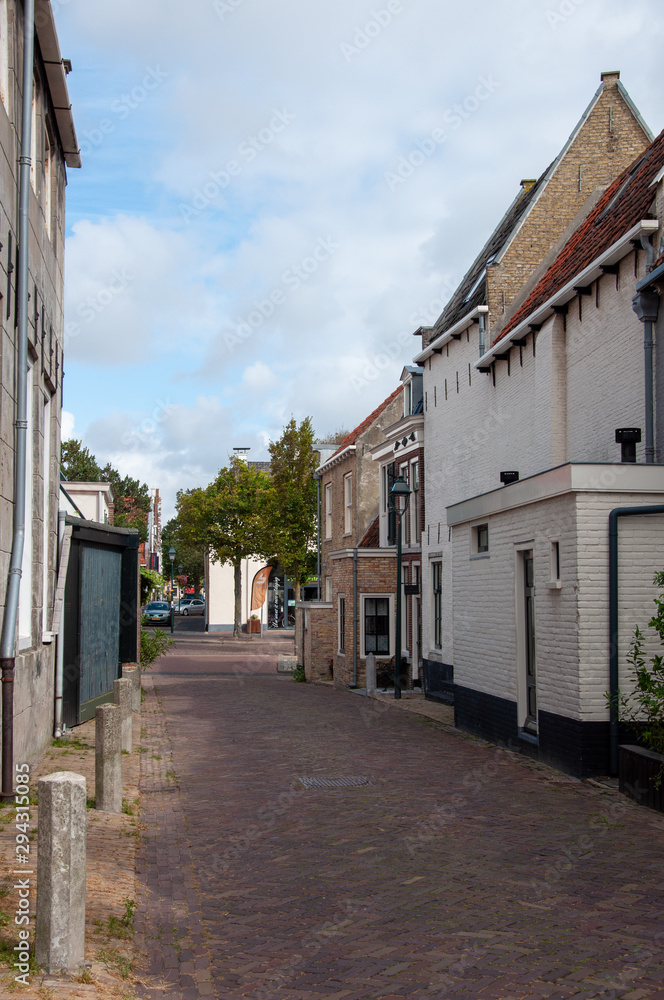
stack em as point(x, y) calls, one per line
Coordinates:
point(348, 504)
point(390, 476)
point(377, 626)
point(49, 149)
point(479, 541)
point(437, 601)
point(342, 624)
point(328, 510)
point(414, 503)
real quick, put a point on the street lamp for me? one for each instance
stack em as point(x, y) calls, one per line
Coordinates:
point(171, 556)
point(399, 497)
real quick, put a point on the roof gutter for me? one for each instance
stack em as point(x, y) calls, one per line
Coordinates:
point(336, 458)
point(56, 75)
point(594, 270)
point(453, 333)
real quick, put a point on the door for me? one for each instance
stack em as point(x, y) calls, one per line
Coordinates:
point(529, 642)
point(99, 649)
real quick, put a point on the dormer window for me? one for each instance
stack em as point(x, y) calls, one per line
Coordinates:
point(413, 393)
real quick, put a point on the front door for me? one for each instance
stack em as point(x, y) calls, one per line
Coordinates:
point(530, 645)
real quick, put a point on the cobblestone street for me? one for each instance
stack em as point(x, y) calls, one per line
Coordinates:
point(446, 869)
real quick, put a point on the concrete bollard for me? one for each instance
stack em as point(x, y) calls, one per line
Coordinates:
point(108, 759)
point(132, 671)
point(370, 670)
point(122, 696)
point(61, 833)
point(286, 664)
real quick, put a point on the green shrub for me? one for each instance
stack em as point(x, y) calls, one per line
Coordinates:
point(298, 674)
point(154, 644)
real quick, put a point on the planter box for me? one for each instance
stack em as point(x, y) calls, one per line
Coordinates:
point(637, 773)
point(254, 625)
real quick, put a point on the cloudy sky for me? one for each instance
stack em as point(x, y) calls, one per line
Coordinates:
point(248, 239)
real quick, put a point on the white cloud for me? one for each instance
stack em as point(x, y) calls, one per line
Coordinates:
point(67, 425)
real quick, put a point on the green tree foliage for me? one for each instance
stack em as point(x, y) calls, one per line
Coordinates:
point(231, 517)
point(644, 706)
point(294, 502)
point(131, 498)
point(188, 554)
point(151, 582)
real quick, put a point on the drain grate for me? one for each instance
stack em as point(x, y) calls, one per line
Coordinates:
point(341, 782)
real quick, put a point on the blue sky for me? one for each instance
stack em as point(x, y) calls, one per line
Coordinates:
point(241, 247)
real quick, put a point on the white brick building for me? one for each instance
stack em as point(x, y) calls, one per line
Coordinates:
point(518, 628)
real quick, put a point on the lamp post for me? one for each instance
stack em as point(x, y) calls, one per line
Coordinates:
point(180, 588)
point(171, 556)
point(399, 497)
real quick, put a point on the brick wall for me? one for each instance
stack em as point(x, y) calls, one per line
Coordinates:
point(314, 631)
point(376, 574)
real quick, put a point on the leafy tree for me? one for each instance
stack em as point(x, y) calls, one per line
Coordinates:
point(294, 504)
point(334, 437)
point(231, 517)
point(188, 554)
point(78, 464)
point(150, 581)
point(131, 498)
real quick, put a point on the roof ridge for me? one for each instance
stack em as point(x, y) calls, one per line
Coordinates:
point(352, 436)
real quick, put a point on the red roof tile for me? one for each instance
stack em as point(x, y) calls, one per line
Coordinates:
point(622, 206)
point(371, 537)
point(367, 422)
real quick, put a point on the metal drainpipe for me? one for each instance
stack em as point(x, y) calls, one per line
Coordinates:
point(648, 325)
point(8, 638)
point(60, 649)
point(318, 538)
point(613, 617)
point(355, 640)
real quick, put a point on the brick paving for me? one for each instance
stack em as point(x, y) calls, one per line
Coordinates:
point(459, 871)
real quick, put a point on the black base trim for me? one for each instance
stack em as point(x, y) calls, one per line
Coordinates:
point(438, 681)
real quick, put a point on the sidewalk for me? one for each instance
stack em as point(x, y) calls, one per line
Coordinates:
point(111, 880)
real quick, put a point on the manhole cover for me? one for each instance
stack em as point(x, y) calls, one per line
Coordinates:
point(342, 782)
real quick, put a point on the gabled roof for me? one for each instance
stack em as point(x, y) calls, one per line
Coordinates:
point(371, 537)
point(471, 291)
point(367, 422)
point(624, 203)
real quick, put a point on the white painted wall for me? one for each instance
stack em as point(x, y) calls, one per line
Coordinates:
point(221, 594)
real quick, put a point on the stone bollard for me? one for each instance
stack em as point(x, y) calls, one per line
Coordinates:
point(108, 759)
point(286, 664)
point(122, 695)
point(60, 925)
point(133, 672)
point(370, 670)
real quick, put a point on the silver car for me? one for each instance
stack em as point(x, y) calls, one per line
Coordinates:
point(194, 608)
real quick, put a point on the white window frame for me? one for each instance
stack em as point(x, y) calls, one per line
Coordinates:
point(328, 589)
point(328, 510)
point(436, 596)
point(390, 612)
point(348, 503)
point(477, 550)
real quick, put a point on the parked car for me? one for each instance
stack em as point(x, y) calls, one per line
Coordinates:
point(157, 613)
point(194, 608)
point(178, 606)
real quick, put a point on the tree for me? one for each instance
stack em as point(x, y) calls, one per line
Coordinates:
point(231, 517)
point(188, 554)
point(294, 508)
point(131, 498)
point(78, 464)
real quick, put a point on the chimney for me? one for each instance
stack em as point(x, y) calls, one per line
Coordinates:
point(242, 453)
point(610, 79)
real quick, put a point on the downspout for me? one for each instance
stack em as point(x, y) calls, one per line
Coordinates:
point(60, 649)
point(482, 313)
point(646, 306)
point(320, 596)
point(8, 637)
point(613, 618)
point(355, 640)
